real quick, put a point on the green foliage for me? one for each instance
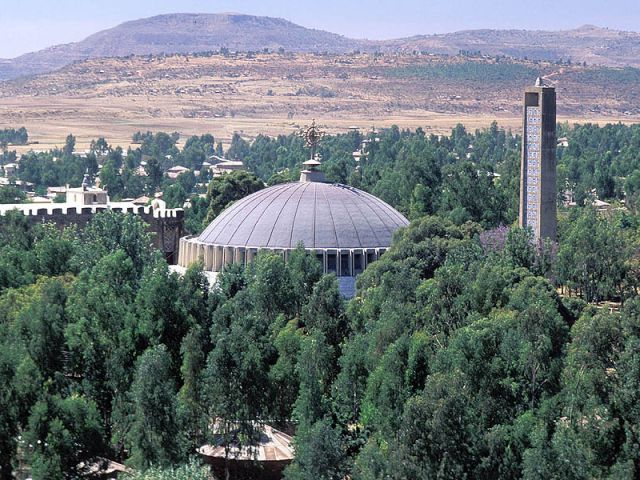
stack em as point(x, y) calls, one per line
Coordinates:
point(228, 188)
point(467, 71)
point(62, 434)
point(69, 146)
point(190, 471)
point(471, 194)
point(108, 232)
point(591, 257)
point(11, 194)
point(239, 148)
point(609, 76)
point(457, 358)
point(319, 454)
point(195, 215)
point(13, 136)
point(154, 432)
point(56, 168)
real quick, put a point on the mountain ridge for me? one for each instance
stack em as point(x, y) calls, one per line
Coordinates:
point(194, 33)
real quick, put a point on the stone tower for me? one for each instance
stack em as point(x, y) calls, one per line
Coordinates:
point(538, 164)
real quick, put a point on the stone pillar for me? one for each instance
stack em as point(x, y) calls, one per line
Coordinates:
point(208, 257)
point(187, 253)
point(352, 263)
point(238, 255)
point(218, 254)
point(228, 256)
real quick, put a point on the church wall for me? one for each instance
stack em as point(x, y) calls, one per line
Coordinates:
point(344, 262)
point(166, 225)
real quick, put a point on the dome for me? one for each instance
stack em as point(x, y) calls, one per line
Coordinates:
point(320, 215)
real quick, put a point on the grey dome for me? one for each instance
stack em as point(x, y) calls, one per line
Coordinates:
point(320, 215)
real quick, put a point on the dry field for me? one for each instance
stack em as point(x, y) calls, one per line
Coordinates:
point(273, 94)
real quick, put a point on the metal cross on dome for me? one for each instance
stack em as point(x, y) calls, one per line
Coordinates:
point(312, 136)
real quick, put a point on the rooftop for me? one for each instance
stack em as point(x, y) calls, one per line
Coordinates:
point(319, 215)
point(273, 445)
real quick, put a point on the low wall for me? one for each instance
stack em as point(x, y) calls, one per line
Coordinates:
point(166, 225)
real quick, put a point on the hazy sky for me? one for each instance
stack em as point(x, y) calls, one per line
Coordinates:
point(28, 25)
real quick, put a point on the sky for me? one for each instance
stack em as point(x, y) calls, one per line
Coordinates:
point(30, 25)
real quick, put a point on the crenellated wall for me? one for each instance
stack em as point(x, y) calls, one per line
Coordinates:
point(166, 225)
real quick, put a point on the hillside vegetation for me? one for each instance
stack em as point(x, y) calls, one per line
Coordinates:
point(190, 33)
point(274, 93)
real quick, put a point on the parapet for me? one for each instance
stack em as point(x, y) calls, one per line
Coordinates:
point(165, 224)
point(56, 209)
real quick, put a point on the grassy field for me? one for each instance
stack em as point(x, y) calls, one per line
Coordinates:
point(274, 94)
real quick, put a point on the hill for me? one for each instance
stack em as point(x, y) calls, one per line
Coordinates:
point(182, 33)
point(594, 45)
point(189, 33)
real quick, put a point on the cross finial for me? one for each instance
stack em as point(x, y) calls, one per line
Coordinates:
point(312, 136)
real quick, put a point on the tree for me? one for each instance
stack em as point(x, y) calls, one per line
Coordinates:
point(154, 435)
point(471, 194)
point(11, 194)
point(99, 147)
point(386, 390)
point(98, 335)
point(53, 251)
point(591, 257)
point(64, 435)
point(239, 148)
point(108, 232)
point(160, 315)
point(236, 388)
point(305, 271)
point(324, 311)
point(110, 179)
point(9, 410)
point(319, 454)
point(154, 174)
point(315, 371)
point(283, 377)
point(69, 146)
point(190, 471)
point(632, 189)
point(42, 322)
point(175, 196)
point(191, 407)
point(228, 188)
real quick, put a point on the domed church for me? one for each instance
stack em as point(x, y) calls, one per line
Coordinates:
point(346, 228)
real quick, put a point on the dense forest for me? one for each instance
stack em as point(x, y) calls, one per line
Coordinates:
point(467, 352)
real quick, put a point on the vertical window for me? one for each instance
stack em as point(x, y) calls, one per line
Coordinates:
point(331, 262)
point(371, 257)
point(357, 263)
point(345, 270)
